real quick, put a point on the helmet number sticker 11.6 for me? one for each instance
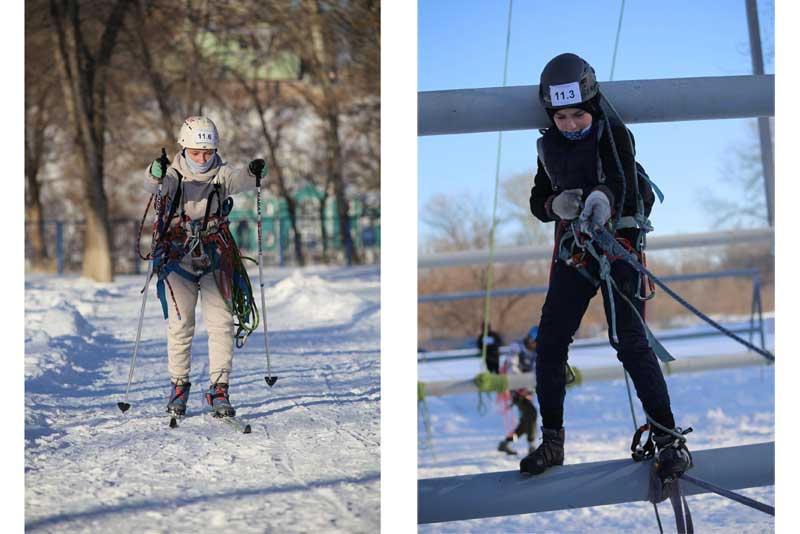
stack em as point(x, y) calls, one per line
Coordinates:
point(568, 93)
point(204, 136)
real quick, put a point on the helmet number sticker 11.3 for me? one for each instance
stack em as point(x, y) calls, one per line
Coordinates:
point(562, 95)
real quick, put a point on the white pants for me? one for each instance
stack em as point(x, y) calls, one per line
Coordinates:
point(219, 323)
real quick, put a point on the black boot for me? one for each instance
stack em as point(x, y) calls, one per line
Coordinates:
point(505, 446)
point(673, 458)
point(548, 454)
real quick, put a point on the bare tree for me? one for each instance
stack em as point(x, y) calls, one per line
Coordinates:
point(83, 72)
point(40, 92)
point(515, 205)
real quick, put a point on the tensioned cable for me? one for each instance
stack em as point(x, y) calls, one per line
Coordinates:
point(490, 265)
point(610, 78)
point(616, 40)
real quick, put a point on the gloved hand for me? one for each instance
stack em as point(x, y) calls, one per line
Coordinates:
point(567, 204)
point(258, 167)
point(155, 169)
point(596, 211)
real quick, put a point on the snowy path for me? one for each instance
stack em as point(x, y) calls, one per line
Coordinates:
point(725, 408)
point(311, 463)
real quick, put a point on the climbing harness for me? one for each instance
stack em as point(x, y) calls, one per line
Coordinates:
point(212, 249)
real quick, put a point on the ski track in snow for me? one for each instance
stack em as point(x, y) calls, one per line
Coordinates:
point(725, 408)
point(311, 463)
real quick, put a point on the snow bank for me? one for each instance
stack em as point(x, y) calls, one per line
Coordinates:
point(303, 301)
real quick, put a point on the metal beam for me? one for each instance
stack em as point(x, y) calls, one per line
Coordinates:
point(764, 133)
point(434, 356)
point(522, 254)
point(532, 290)
point(582, 485)
point(441, 388)
point(492, 109)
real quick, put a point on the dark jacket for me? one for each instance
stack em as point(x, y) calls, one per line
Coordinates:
point(493, 344)
point(575, 164)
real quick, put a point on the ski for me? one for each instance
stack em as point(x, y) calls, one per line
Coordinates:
point(173, 421)
point(233, 422)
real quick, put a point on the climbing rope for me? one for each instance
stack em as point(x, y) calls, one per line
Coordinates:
point(610, 78)
point(490, 264)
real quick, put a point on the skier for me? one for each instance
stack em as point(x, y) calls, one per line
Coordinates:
point(522, 361)
point(578, 184)
point(194, 187)
point(493, 344)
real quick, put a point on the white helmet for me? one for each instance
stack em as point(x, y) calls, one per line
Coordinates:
point(198, 132)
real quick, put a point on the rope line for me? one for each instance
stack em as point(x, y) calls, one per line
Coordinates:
point(616, 40)
point(490, 263)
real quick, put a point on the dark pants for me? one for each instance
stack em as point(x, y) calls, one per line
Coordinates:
point(527, 417)
point(493, 361)
point(567, 299)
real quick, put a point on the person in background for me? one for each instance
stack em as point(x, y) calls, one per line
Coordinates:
point(522, 361)
point(493, 344)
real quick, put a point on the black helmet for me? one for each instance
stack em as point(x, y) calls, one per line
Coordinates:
point(567, 81)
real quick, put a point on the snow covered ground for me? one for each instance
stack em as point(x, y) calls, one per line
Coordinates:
point(311, 463)
point(725, 408)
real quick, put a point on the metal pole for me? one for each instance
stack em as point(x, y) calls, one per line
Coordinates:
point(60, 246)
point(491, 109)
point(270, 380)
point(764, 134)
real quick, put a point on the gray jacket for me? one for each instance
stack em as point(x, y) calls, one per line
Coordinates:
point(197, 188)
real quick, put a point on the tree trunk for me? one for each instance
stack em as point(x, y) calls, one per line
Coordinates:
point(83, 79)
point(33, 214)
point(291, 207)
point(324, 229)
point(277, 168)
point(98, 263)
point(334, 160)
point(33, 195)
point(156, 81)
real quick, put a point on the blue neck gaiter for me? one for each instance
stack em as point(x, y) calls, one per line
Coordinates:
point(198, 168)
point(577, 136)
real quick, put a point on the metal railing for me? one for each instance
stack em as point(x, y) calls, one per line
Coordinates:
point(63, 242)
point(756, 312)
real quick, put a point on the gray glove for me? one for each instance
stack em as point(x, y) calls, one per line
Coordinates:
point(567, 204)
point(596, 211)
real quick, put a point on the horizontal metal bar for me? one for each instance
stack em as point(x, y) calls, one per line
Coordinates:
point(519, 291)
point(582, 485)
point(441, 388)
point(492, 109)
point(464, 354)
point(545, 252)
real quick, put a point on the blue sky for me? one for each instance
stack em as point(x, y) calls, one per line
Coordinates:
point(462, 45)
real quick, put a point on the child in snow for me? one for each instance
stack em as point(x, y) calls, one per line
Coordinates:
point(194, 188)
point(523, 361)
point(586, 168)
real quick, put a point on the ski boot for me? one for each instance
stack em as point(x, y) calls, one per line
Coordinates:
point(505, 446)
point(217, 398)
point(177, 399)
point(548, 454)
point(672, 458)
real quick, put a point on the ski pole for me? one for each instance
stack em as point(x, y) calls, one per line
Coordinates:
point(269, 378)
point(163, 161)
